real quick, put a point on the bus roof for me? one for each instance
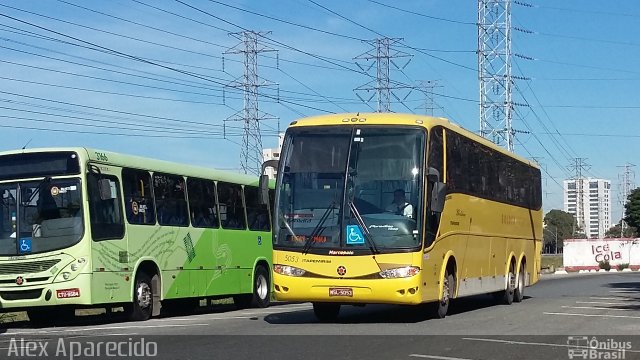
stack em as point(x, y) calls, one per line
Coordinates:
point(139, 162)
point(401, 119)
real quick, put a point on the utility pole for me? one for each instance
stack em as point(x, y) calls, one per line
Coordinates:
point(382, 86)
point(494, 71)
point(578, 166)
point(427, 87)
point(250, 115)
point(627, 184)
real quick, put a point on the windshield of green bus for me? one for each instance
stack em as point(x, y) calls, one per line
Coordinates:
point(350, 188)
point(48, 213)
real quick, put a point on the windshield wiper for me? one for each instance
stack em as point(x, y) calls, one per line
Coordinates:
point(318, 229)
point(365, 230)
point(37, 191)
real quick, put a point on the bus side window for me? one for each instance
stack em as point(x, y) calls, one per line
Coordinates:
point(138, 198)
point(105, 215)
point(257, 214)
point(171, 204)
point(202, 202)
point(231, 208)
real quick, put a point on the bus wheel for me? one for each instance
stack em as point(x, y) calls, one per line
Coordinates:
point(142, 306)
point(447, 292)
point(261, 296)
point(46, 316)
point(326, 312)
point(518, 294)
point(508, 293)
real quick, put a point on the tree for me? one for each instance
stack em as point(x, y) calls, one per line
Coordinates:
point(615, 232)
point(559, 225)
point(632, 209)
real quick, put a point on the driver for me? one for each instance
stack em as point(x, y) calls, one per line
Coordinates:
point(400, 206)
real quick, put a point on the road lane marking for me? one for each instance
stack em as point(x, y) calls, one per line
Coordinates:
point(595, 308)
point(624, 291)
point(512, 342)
point(101, 328)
point(436, 357)
point(593, 315)
point(619, 298)
point(602, 303)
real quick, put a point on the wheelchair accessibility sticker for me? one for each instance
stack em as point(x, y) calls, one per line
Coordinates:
point(354, 235)
point(25, 246)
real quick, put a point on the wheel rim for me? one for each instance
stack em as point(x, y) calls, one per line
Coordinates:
point(512, 282)
point(143, 295)
point(445, 293)
point(262, 289)
point(521, 281)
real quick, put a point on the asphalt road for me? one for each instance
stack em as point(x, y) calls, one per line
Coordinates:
point(557, 314)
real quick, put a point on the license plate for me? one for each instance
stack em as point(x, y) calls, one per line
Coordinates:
point(341, 292)
point(67, 293)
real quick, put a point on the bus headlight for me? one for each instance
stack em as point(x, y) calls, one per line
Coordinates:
point(287, 270)
point(402, 272)
point(66, 275)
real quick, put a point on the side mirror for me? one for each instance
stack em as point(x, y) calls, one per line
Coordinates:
point(438, 194)
point(264, 181)
point(107, 192)
point(433, 175)
point(438, 191)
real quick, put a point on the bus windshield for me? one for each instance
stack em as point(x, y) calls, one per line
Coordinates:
point(48, 213)
point(350, 188)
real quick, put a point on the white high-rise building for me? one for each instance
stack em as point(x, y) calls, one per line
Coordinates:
point(589, 200)
point(272, 154)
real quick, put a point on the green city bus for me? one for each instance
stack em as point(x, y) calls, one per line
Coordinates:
point(89, 228)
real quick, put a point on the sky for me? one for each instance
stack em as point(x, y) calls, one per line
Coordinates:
point(156, 78)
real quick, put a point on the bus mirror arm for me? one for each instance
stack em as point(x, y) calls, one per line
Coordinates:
point(264, 180)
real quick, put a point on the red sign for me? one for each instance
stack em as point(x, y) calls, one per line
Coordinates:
point(68, 293)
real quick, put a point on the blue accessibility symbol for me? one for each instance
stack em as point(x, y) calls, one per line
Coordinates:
point(25, 246)
point(354, 235)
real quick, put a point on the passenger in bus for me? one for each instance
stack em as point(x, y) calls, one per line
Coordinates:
point(400, 206)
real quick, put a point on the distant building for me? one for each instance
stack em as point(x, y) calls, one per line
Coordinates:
point(272, 154)
point(589, 201)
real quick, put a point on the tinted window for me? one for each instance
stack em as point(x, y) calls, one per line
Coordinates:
point(231, 208)
point(475, 169)
point(171, 203)
point(202, 202)
point(138, 197)
point(257, 214)
point(107, 221)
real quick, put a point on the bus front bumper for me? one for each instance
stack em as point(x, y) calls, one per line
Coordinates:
point(341, 290)
point(76, 291)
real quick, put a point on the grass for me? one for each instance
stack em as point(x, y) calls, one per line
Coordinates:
point(551, 260)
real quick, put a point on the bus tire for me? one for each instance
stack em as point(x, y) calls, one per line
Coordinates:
point(261, 295)
point(518, 293)
point(326, 312)
point(141, 307)
point(442, 306)
point(507, 294)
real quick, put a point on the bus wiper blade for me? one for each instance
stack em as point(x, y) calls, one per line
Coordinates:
point(318, 229)
point(46, 180)
point(365, 230)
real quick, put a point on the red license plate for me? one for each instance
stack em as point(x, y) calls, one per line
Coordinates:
point(67, 293)
point(341, 292)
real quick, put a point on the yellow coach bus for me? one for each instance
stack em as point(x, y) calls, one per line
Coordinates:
point(401, 209)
